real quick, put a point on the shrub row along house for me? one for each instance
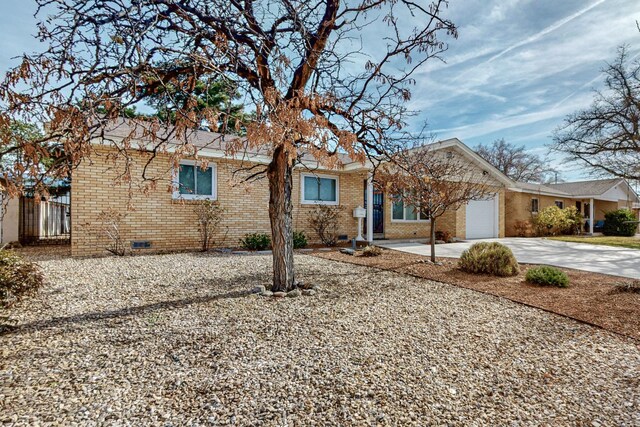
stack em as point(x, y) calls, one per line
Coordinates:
point(590, 198)
point(161, 218)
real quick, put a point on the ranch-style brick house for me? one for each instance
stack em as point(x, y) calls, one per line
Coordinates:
point(591, 198)
point(161, 218)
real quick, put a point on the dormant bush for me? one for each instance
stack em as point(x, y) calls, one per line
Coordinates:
point(324, 221)
point(209, 215)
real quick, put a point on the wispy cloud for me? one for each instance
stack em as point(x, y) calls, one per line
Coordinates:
point(545, 31)
point(520, 67)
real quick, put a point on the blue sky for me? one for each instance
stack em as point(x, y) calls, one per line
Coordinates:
point(516, 70)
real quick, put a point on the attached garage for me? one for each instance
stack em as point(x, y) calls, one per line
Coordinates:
point(482, 218)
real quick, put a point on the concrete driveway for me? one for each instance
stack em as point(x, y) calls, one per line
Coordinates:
point(580, 256)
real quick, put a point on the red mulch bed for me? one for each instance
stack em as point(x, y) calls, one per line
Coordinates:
point(591, 297)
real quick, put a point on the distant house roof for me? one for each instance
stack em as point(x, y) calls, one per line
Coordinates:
point(608, 189)
point(587, 188)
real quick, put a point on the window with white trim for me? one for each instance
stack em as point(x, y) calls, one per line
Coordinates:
point(535, 205)
point(319, 189)
point(560, 204)
point(194, 182)
point(402, 212)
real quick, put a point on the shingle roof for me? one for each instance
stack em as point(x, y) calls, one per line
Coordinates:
point(586, 188)
point(139, 130)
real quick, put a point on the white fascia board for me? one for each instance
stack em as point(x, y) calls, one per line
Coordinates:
point(542, 193)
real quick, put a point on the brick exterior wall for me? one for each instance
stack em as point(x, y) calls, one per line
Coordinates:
point(171, 224)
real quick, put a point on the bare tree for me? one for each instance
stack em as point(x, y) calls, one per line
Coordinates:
point(606, 136)
point(432, 182)
point(314, 85)
point(514, 161)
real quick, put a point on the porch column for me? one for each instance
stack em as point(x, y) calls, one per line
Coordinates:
point(591, 215)
point(370, 207)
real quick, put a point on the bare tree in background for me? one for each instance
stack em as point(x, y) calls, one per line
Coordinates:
point(314, 87)
point(432, 182)
point(514, 161)
point(606, 136)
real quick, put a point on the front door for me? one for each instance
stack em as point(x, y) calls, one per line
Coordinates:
point(378, 210)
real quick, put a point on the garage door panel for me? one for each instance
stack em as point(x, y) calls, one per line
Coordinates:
point(481, 219)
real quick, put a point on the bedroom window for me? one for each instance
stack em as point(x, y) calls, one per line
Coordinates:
point(560, 204)
point(319, 189)
point(193, 182)
point(535, 206)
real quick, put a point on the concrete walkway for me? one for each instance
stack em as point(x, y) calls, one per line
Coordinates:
point(580, 256)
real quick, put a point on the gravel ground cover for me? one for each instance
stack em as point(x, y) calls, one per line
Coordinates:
point(591, 297)
point(176, 340)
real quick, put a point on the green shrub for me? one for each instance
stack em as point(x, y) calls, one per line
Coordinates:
point(621, 222)
point(547, 276)
point(371, 251)
point(18, 278)
point(573, 221)
point(489, 258)
point(299, 240)
point(256, 241)
point(553, 220)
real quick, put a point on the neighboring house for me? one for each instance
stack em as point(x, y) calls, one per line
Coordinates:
point(592, 198)
point(163, 217)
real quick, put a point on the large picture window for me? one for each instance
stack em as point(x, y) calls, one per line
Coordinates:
point(402, 212)
point(319, 189)
point(193, 182)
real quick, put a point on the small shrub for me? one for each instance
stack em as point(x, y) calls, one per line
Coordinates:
point(633, 286)
point(489, 258)
point(621, 222)
point(299, 240)
point(445, 236)
point(256, 241)
point(371, 251)
point(209, 215)
point(18, 278)
point(547, 276)
point(324, 221)
point(523, 228)
point(111, 226)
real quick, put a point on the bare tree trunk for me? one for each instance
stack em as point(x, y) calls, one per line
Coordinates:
point(280, 174)
point(433, 240)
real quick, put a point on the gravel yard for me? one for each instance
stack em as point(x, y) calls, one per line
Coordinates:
point(175, 340)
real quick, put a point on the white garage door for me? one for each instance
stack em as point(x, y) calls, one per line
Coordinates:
point(482, 219)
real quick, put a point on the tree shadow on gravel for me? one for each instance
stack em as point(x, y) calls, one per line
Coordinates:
point(119, 313)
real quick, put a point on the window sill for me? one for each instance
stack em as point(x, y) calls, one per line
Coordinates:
point(402, 221)
point(311, 203)
point(189, 198)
